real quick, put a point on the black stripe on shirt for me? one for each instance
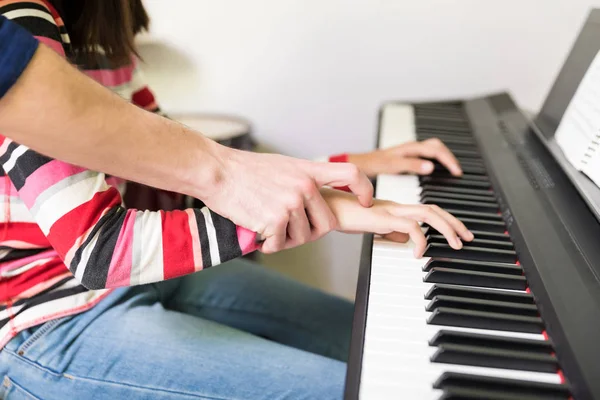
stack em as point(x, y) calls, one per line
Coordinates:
point(39, 26)
point(96, 272)
point(229, 248)
point(9, 150)
point(77, 256)
point(204, 245)
point(27, 164)
point(16, 254)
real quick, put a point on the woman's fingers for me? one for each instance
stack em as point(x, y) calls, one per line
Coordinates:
point(298, 229)
point(276, 241)
point(322, 220)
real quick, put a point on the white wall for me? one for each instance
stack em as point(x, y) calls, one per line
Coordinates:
point(310, 74)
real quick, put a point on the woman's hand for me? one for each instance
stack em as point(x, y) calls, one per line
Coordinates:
point(407, 158)
point(395, 221)
point(278, 197)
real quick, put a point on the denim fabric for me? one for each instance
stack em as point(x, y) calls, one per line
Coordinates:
point(237, 331)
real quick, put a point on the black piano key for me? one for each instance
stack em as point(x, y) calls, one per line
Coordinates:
point(449, 140)
point(459, 196)
point(487, 216)
point(455, 182)
point(467, 265)
point(482, 305)
point(492, 341)
point(424, 134)
point(430, 106)
point(474, 162)
point(479, 293)
point(448, 175)
point(450, 117)
point(444, 120)
point(485, 320)
point(456, 204)
point(459, 153)
point(491, 235)
point(469, 252)
point(486, 243)
point(503, 236)
point(462, 146)
point(501, 388)
point(458, 128)
point(478, 215)
point(475, 278)
point(439, 129)
point(474, 224)
point(461, 354)
point(448, 189)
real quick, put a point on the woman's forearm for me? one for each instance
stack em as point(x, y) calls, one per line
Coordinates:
point(58, 111)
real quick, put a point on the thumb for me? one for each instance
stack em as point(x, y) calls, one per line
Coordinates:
point(399, 237)
point(415, 166)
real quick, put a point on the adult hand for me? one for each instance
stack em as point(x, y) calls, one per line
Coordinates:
point(407, 158)
point(278, 197)
point(394, 221)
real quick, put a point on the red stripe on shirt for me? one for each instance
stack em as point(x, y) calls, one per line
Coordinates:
point(143, 98)
point(178, 255)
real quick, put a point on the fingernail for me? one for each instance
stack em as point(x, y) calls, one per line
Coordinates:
point(426, 167)
point(470, 235)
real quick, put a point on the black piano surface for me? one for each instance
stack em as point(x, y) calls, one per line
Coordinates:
point(550, 213)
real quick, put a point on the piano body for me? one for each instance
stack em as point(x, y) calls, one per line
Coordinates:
point(516, 313)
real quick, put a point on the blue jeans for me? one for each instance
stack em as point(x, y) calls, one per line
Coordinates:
point(237, 331)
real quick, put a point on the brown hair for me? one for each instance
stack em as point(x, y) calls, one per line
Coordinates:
point(109, 24)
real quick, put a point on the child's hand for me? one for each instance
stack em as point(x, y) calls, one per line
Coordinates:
point(394, 221)
point(407, 158)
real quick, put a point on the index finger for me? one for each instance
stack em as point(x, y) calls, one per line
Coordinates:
point(344, 174)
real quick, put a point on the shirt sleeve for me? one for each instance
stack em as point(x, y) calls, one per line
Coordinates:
point(17, 47)
point(343, 157)
point(102, 243)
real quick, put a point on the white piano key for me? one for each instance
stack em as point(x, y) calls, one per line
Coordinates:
point(415, 366)
point(385, 332)
point(397, 125)
point(383, 390)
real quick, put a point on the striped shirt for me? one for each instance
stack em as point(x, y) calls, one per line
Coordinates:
point(65, 238)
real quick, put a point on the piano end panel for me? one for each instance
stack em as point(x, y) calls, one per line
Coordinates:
point(353, 373)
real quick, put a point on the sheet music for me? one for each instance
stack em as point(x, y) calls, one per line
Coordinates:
point(578, 134)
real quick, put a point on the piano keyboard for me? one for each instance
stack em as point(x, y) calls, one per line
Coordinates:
point(454, 324)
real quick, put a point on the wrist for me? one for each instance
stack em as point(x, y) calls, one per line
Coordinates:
point(205, 174)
